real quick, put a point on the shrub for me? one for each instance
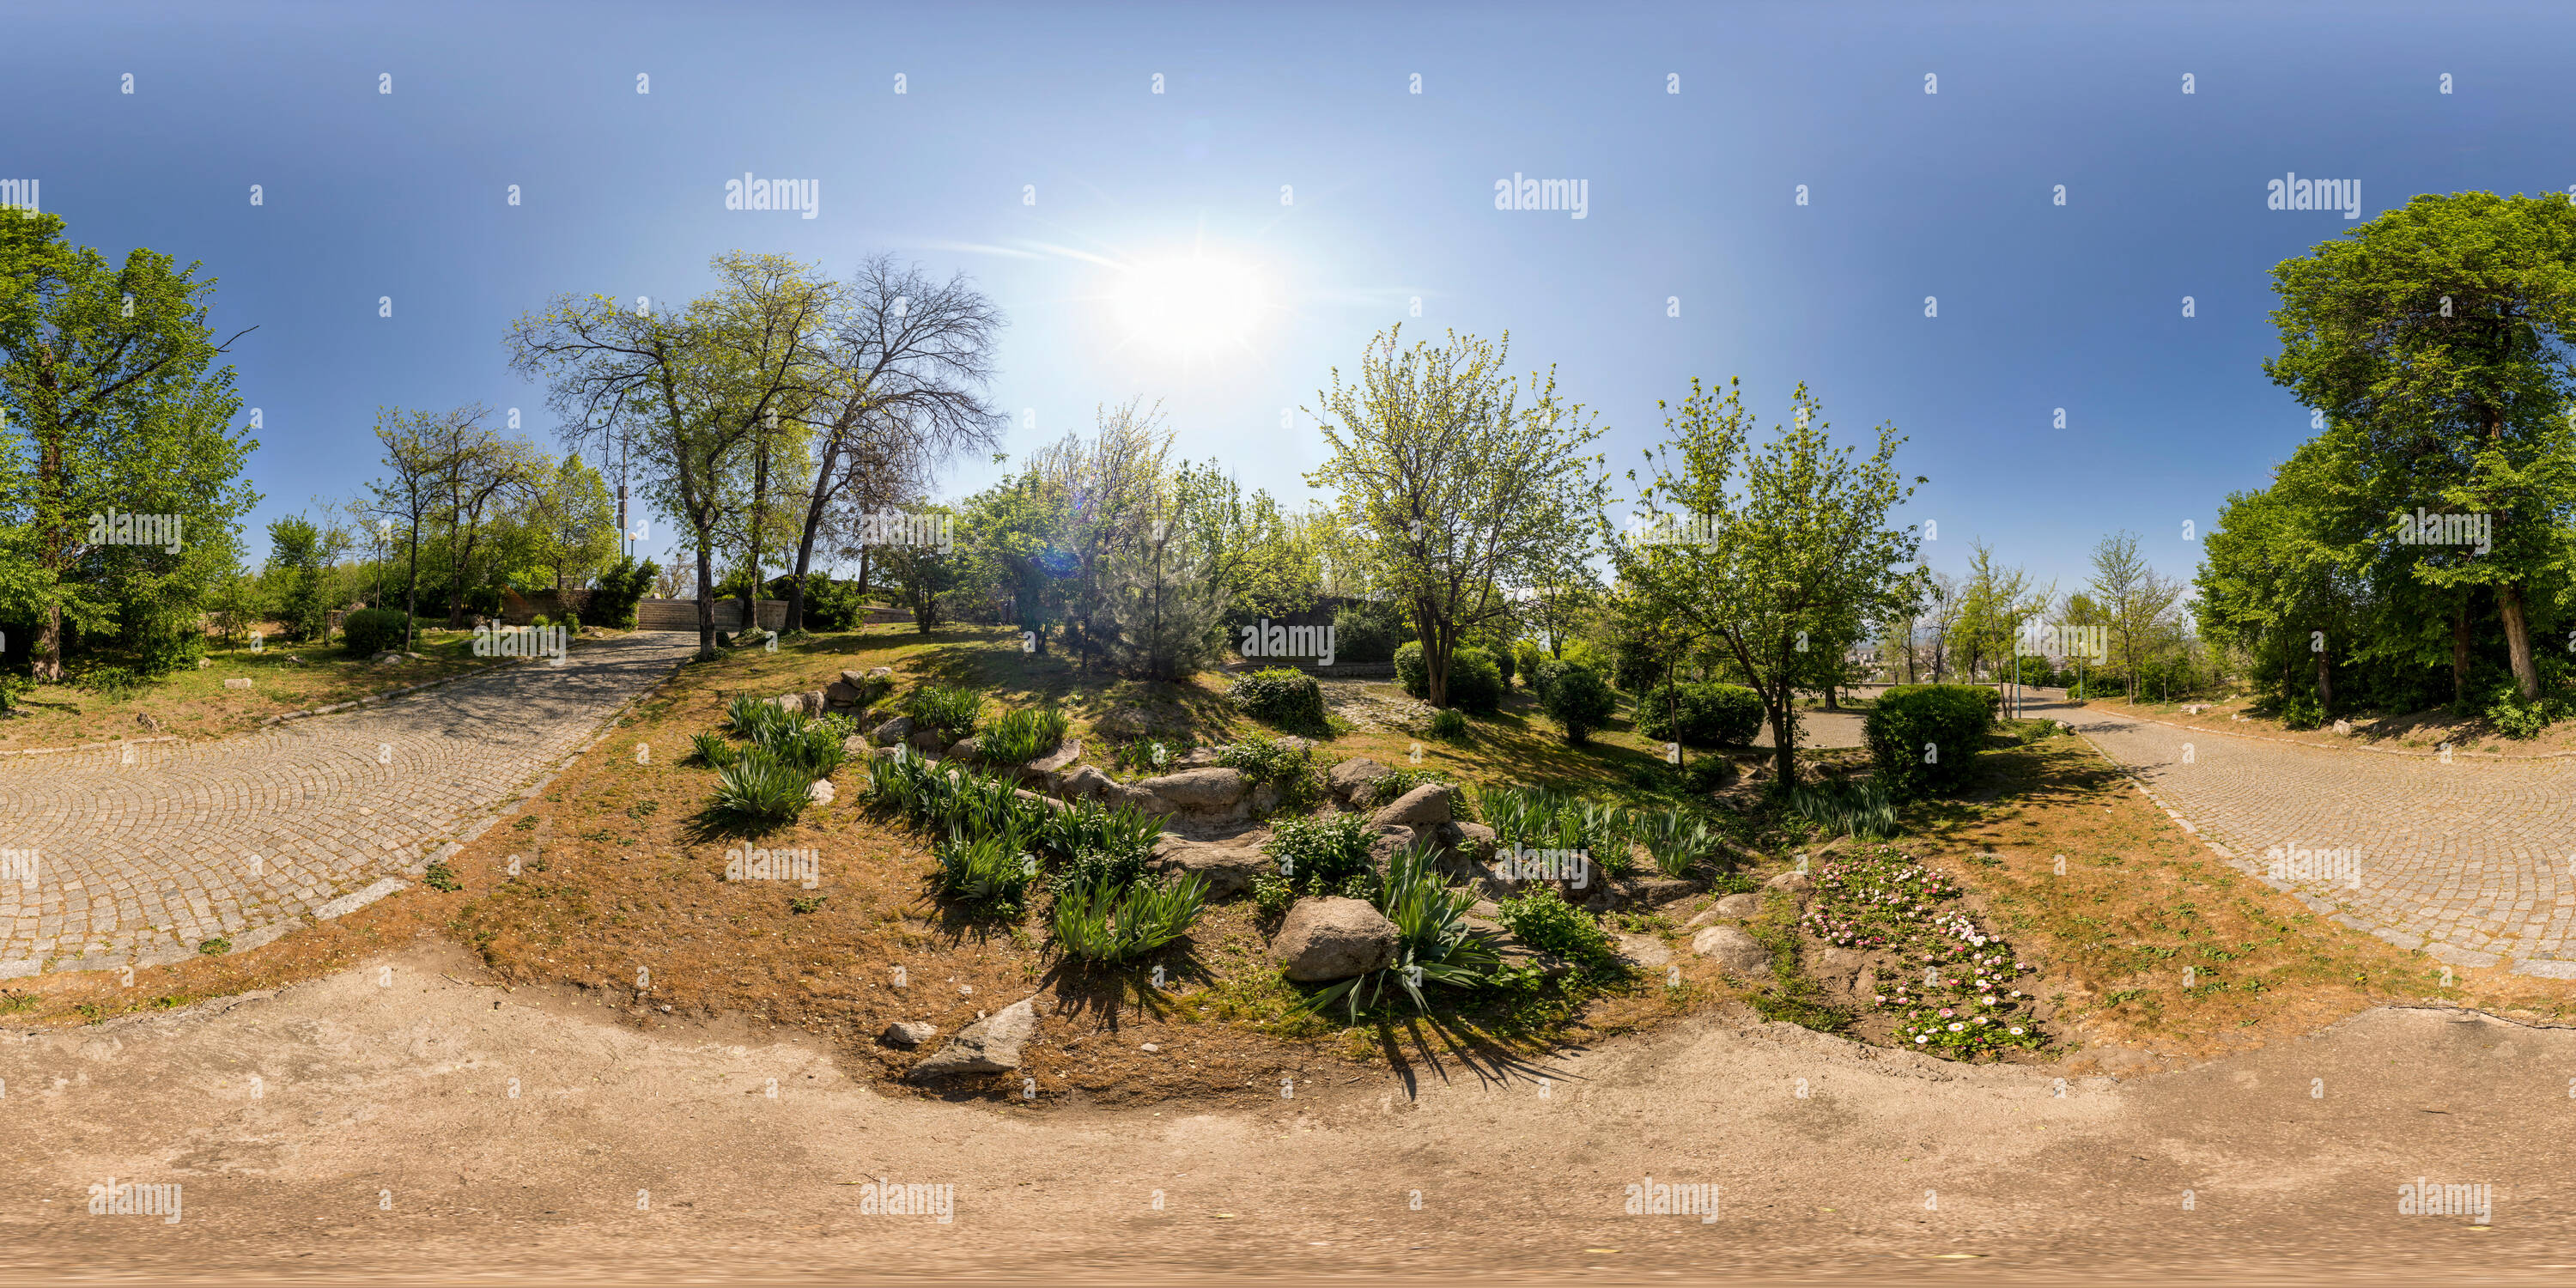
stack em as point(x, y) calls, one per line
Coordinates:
point(990, 873)
point(762, 791)
point(373, 630)
point(813, 748)
point(1411, 672)
point(1368, 631)
point(1268, 760)
point(1450, 724)
point(614, 593)
point(1124, 835)
point(1110, 923)
point(1527, 657)
point(1391, 786)
point(1863, 810)
point(1320, 854)
point(114, 683)
point(1924, 737)
point(1706, 774)
point(1576, 697)
point(1546, 922)
point(1504, 662)
point(1283, 696)
point(1475, 682)
point(950, 710)
point(1022, 736)
point(1711, 715)
point(572, 622)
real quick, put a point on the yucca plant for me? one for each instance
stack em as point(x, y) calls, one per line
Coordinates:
point(1022, 736)
point(1101, 921)
point(746, 716)
point(712, 749)
point(1864, 810)
point(1433, 943)
point(1678, 840)
point(950, 710)
point(814, 748)
point(759, 790)
point(989, 872)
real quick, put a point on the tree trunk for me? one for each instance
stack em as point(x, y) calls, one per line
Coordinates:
point(411, 593)
point(2517, 641)
point(1784, 749)
point(2325, 687)
point(2460, 654)
point(706, 592)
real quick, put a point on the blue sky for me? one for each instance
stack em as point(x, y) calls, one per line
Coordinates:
point(1690, 195)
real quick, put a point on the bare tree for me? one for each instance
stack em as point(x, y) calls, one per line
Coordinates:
point(415, 466)
point(900, 390)
point(690, 387)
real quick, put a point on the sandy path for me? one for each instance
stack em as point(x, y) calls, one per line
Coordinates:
point(397, 1093)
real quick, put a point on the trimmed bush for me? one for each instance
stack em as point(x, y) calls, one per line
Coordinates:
point(1449, 724)
point(1923, 737)
point(1368, 632)
point(1475, 681)
point(1711, 715)
point(1411, 672)
point(1284, 696)
point(1576, 697)
point(614, 592)
point(372, 630)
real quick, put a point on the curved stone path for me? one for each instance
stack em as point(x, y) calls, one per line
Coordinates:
point(142, 852)
point(2469, 860)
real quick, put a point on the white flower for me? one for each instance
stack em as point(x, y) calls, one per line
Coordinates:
point(2016, 1030)
point(1956, 1027)
point(1920, 1038)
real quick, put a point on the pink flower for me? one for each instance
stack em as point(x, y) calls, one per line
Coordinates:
point(1945, 1012)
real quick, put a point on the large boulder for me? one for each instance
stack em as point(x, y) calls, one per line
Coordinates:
point(1227, 867)
point(1733, 949)
point(1349, 780)
point(855, 747)
point(1390, 838)
point(1424, 806)
point(966, 749)
point(990, 1045)
point(929, 742)
point(892, 731)
point(1062, 756)
point(842, 695)
point(1648, 888)
point(802, 704)
point(1325, 939)
point(1086, 781)
point(1739, 906)
point(1212, 790)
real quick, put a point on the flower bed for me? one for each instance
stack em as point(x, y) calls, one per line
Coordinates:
point(1965, 1001)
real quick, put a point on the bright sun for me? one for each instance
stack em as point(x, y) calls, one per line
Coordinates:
point(1189, 306)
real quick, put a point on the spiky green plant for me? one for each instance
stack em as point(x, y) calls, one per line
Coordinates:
point(989, 872)
point(758, 789)
point(951, 710)
point(1100, 921)
point(1019, 737)
point(712, 749)
point(1433, 943)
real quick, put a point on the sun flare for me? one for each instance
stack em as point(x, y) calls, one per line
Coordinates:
point(1190, 306)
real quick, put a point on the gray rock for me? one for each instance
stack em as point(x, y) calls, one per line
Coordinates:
point(1642, 951)
point(1739, 906)
point(1649, 888)
point(842, 695)
point(1047, 801)
point(1349, 780)
point(1794, 882)
point(1327, 939)
point(1057, 759)
point(967, 749)
point(909, 1033)
point(820, 792)
point(885, 673)
point(855, 747)
point(1227, 868)
point(990, 1045)
point(1733, 949)
point(892, 731)
point(1196, 791)
point(1086, 781)
point(1390, 838)
point(929, 742)
point(1472, 842)
point(1424, 806)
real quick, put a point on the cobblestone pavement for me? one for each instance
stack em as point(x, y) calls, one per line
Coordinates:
point(143, 852)
point(2469, 861)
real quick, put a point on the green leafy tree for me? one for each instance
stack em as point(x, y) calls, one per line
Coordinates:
point(1789, 540)
point(295, 576)
point(1461, 492)
point(110, 402)
point(2432, 341)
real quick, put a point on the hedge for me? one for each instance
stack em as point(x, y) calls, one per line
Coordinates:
point(1576, 697)
point(373, 630)
point(1922, 737)
point(1284, 696)
point(1712, 715)
point(1475, 682)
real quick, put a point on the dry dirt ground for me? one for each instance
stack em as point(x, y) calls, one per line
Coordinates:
point(407, 1120)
